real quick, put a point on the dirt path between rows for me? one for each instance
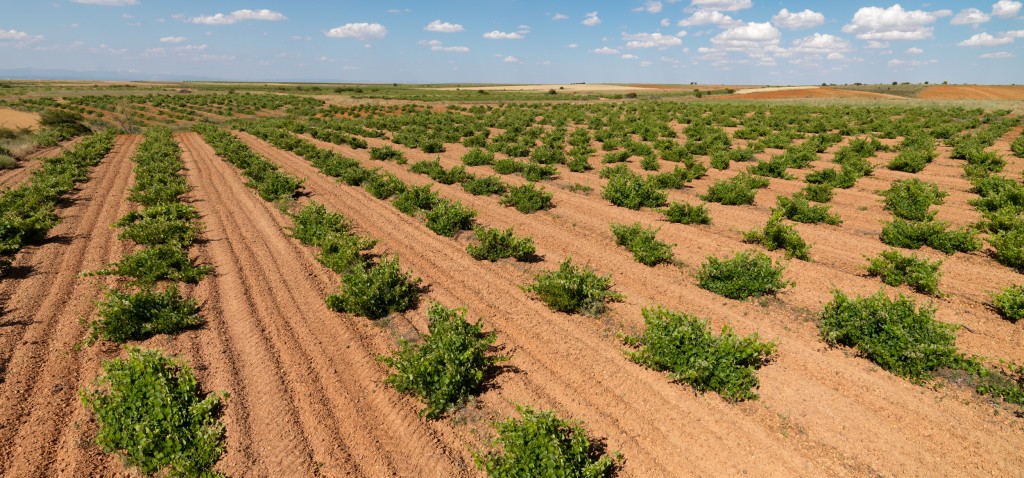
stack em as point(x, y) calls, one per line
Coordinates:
point(822, 410)
point(43, 426)
point(307, 392)
point(10, 178)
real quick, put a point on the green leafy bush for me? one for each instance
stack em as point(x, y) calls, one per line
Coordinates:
point(376, 291)
point(747, 274)
point(478, 157)
point(507, 166)
point(631, 191)
point(534, 172)
point(447, 218)
point(817, 192)
point(541, 444)
point(415, 199)
point(778, 235)
point(387, 153)
point(497, 244)
point(1009, 246)
point(485, 186)
point(911, 199)
point(573, 289)
point(152, 231)
point(799, 209)
point(683, 213)
point(1009, 302)
point(128, 316)
point(384, 186)
point(642, 242)
point(527, 198)
point(916, 234)
point(1018, 147)
point(340, 249)
point(895, 334)
point(164, 262)
point(448, 366)
point(151, 411)
point(894, 268)
point(741, 189)
point(684, 346)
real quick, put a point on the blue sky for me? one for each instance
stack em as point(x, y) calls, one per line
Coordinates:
point(517, 41)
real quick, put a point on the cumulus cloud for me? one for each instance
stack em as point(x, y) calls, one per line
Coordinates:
point(1006, 8)
point(650, 40)
point(572, 45)
point(984, 39)
point(896, 62)
point(998, 54)
point(820, 44)
point(591, 19)
point(709, 17)
point(914, 51)
point(437, 45)
point(360, 31)
point(878, 45)
point(759, 41)
point(107, 3)
point(970, 16)
point(497, 35)
point(652, 6)
point(798, 20)
point(629, 56)
point(237, 16)
point(438, 26)
point(722, 5)
point(893, 23)
point(12, 35)
point(510, 59)
point(172, 39)
point(559, 16)
point(605, 51)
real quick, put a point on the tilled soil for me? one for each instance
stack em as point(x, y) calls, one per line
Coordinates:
point(10, 178)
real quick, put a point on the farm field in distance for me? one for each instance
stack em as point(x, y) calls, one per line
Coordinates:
point(423, 280)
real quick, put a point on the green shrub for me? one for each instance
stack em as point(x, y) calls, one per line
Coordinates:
point(376, 291)
point(799, 209)
point(935, 234)
point(675, 179)
point(387, 153)
point(1018, 147)
point(416, 198)
point(817, 192)
point(384, 186)
point(534, 172)
point(684, 346)
point(747, 274)
point(894, 268)
point(642, 242)
point(573, 289)
point(611, 171)
point(507, 166)
point(448, 366)
point(527, 198)
point(547, 155)
point(7, 162)
point(911, 160)
point(777, 235)
point(435, 171)
point(1009, 302)
point(497, 244)
point(894, 334)
point(128, 316)
point(683, 213)
point(156, 231)
point(631, 191)
point(432, 146)
point(911, 199)
point(163, 262)
point(314, 223)
point(773, 168)
point(151, 412)
point(616, 157)
point(447, 218)
point(842, 179)
point(579, 165)
point(741, 189)
point(541, 444)
point(485, 186)
point(478, 157)
point(650, 163)
point(1009, 246)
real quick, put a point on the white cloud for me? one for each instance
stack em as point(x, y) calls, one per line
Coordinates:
point(496, 35)
point(970, 16)
point(914, 51)
point(709, 17)
point(998, 54)
point(650, 40)
point(759, 41)
point(878, 45)
point(835, 56)
point(820, 44)
point(605, 51)
point(629, 56)
point(173, 39)
point(1013, 34)
point(559, 16)
point(237, 16)
point(1006, 8)
point(893, 23)
point(572, 45)
point(645, 63)
point(591, 19)
point(437, 45)
point(12, 35)
point(443, 27)
point(665, 22)
point(107, 3)
point(359, 31)
point(984, 39)
point(798, 20)
point(910, 63)
point(722, 5)
point(510, 59)
point(651, 6)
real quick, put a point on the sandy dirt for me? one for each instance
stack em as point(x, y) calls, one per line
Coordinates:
point(586, 87)
point(798, 92)
point(15, 119)
point(10, 178)
point(973, 92)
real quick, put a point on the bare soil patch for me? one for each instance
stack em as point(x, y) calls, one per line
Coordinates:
point(15, 119)
point(973, 92)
